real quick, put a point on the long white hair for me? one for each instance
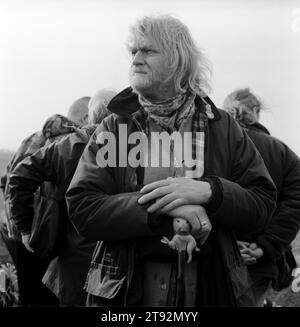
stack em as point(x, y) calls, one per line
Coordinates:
point(188, 66)
point(243, 105)
point(98, 105)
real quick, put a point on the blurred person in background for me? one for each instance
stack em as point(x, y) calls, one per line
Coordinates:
point(78, 111)
point(55, 164)
point(268, 255)
point(30, 267)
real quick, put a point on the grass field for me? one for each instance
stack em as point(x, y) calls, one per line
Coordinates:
point(287, 298)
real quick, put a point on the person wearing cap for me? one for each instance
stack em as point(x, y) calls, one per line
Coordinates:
point(129, 185)
point(268, 254)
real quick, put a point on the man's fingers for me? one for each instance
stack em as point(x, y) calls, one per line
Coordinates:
point(172, 205)
point(246, 256)
point(152, 186)
point(246, 251)
point(196, 227)
point(157, 193)
point(161, 203)
point(243, 245)
point(250, 261)
point(28, 248)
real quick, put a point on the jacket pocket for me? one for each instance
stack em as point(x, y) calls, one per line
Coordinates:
point(48, 227)
point(104, 280)
point(108, 270)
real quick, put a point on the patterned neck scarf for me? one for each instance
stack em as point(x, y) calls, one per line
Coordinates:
point(171, 112)
point(203, 112)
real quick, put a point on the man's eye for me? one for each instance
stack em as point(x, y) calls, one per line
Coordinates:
point(133, 52)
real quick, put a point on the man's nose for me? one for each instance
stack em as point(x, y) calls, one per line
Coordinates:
point(138, 58)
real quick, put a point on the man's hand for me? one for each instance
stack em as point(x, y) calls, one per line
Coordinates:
point(25, 241)
point(172, 193)
point(250, 252)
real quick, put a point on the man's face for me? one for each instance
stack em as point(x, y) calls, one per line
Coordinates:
point(149, 70)
point(242, 113)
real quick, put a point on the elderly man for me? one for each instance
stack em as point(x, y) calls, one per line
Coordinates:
point(268, 254)
point(168, 152)
point(55, 164)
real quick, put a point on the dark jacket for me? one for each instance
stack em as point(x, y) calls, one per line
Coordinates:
point(55, 164)
point(29, 145)
point(103, 203)
point(284, 167)
point(53, 128)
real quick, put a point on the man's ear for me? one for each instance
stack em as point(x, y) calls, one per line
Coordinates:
point(85, 119)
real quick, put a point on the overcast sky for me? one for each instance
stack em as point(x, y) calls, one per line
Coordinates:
point(53, 52)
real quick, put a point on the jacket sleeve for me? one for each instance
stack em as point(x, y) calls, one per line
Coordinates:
point(51, 163)
point(96, 207)
point(285, 222)
point(248, 192)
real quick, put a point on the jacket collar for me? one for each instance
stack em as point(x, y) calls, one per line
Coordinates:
point(89, 128)
point(258, 128)
point(126, 103)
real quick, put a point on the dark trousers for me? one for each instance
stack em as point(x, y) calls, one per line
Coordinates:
point(30, 271)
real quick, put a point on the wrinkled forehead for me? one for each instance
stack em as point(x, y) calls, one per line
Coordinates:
point(139, 41)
